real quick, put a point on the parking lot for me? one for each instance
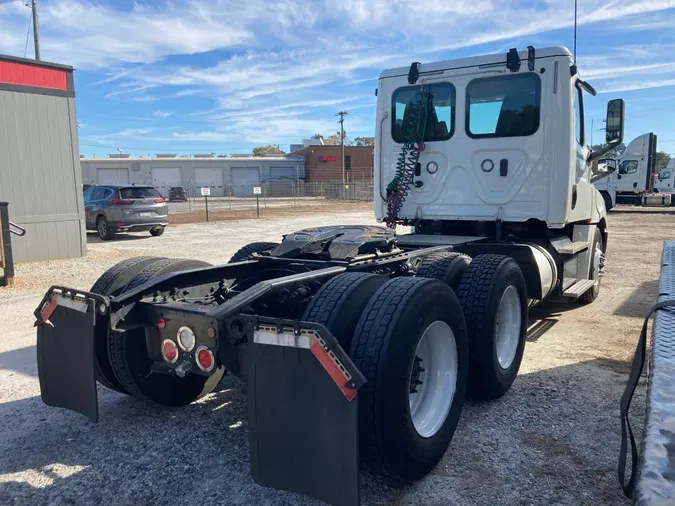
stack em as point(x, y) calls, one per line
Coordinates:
point(553, 439)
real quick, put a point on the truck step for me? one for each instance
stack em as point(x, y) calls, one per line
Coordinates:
point(573, 248)
point(578, 289)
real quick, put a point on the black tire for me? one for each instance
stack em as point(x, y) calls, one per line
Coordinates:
point(339, 302)
point(445, 266)
point(608, 200)
point(129, 355)
point(593, 292)
point(255, 247)
point(384, 349)
point(156, 232)
point(103, 229)
point(112, 283)
point(480, 293)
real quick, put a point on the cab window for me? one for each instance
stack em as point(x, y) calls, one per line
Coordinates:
point(628, 167)
point(440, 118)
point(665, 174)
point(579, 115)
point(504, 106)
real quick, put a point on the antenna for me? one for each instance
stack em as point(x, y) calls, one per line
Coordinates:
point(575, 31)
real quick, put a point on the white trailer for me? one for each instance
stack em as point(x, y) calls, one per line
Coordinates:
point(356, 341)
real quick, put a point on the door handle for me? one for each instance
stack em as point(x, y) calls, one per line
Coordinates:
point(418, 169)
point(503, 167)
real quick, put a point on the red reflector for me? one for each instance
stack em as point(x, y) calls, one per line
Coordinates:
point(169, 351)
point(211, 332)
point(120, 224)
point(159, 201)
point(161, 323)
point(204, 359)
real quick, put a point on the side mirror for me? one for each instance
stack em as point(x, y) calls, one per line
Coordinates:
point(602, 168)
point(615, 114)
point(614, 128)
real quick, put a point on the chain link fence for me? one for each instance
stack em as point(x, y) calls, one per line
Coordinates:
point(277, 194)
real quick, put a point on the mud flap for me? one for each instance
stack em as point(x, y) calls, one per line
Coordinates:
point(303, 411)
point(65, 353)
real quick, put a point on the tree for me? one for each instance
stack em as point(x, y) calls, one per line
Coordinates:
point(661, 161)
point(334, 139)
point(267, 150)
point(364, 141)
point(612, 153)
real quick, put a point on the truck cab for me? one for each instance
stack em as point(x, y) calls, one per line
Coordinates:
point(633, 177)
point(504, 141)
point(665, 181)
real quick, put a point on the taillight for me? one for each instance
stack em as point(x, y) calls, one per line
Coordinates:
point(159, 201)
point(205, 359)
point(169, 351)
point(121, 202)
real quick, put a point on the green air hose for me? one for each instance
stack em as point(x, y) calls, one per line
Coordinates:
point(398, 188)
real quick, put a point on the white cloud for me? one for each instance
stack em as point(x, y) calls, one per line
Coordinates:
point(91, 35)
point(617, 86)
point(275, 67)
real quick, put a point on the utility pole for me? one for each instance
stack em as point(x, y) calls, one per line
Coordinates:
point(36, 29)
point(342, 115)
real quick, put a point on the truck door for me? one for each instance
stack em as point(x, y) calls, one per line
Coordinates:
point(628, 176)
point(634, 174)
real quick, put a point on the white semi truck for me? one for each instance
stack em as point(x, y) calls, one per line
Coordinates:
point(665, 181)
point(632, 182)
point(358, 343)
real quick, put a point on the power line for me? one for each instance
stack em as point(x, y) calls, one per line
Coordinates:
point(30, 21)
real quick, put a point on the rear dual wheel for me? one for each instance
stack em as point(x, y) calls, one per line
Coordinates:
point(127, 367)
point(111, 283)
point(493, 296)
point(408, 337)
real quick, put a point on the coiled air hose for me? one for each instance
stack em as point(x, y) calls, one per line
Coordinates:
point(399, 187)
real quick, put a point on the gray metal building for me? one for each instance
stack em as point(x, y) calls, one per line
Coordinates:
point(40, 175)
point(225, 176)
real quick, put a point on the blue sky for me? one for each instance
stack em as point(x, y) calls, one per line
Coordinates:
point(226, 75)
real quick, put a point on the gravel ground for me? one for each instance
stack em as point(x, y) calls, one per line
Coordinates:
point(554, 438)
